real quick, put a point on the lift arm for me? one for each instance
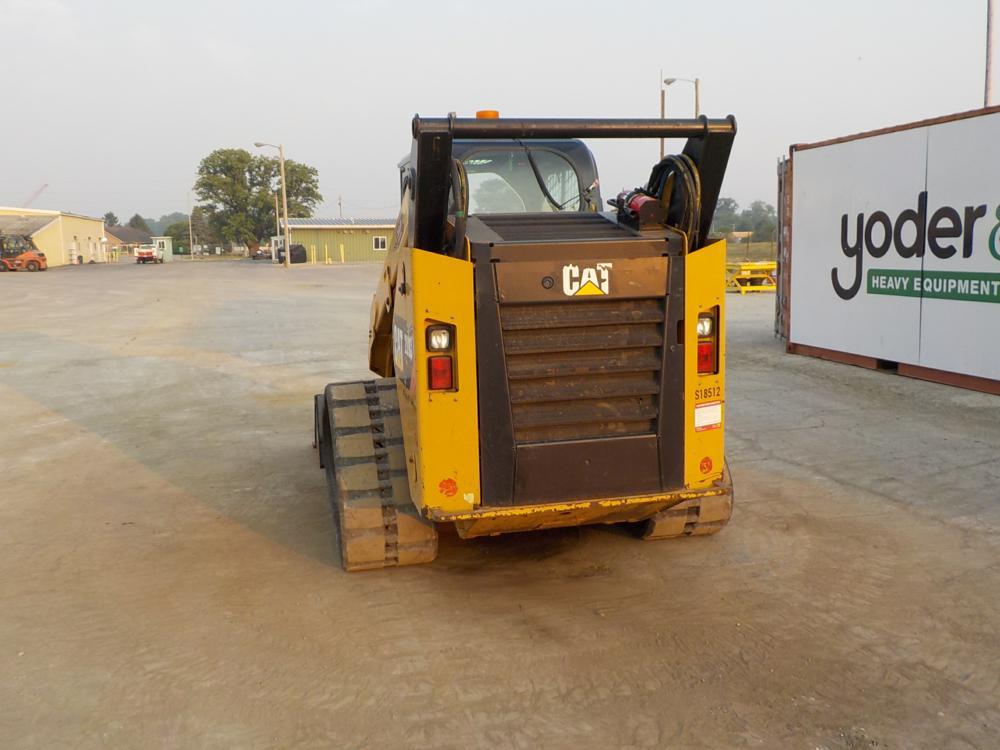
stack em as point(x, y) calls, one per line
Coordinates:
point(709, 142)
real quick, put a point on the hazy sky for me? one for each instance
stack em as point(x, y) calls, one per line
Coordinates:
point(114, 102)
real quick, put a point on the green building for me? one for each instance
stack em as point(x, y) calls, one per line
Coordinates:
point(342, 240)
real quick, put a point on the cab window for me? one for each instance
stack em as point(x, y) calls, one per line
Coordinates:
point(504, 181)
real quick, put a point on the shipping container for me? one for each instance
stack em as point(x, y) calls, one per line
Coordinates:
point(889, 249)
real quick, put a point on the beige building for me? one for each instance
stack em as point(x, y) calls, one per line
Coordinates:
point(64, 238)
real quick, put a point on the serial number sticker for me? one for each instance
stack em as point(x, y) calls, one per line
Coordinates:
point(708, 416)
point(712, 392)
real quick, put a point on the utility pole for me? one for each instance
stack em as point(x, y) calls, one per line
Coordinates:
point(284, 200)
point(663, 108)
point(990, 29)
point(191, 233)
point(284, 204)
point(697, 97)
point(340, 207)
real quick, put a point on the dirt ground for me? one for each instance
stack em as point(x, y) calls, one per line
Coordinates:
point(167, 577)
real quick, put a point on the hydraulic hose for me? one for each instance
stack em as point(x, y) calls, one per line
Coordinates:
point(460, 194)
point(684, 209)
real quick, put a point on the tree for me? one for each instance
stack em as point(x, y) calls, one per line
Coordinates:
point(761, 219)
point(726, 213)
point(159, 226)
point(110, 219)
point(236, 190)
point(178, 232)
point(203, 232)
point(137, 222)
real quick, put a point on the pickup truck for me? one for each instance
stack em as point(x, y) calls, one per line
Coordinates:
point(148, 254)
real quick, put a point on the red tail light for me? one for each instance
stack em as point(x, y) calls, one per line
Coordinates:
point(440, 373)
point(706, 357)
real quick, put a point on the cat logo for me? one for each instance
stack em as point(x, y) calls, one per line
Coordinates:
point(586, 282)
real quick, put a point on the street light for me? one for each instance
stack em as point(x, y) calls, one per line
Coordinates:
point(284, 199)
point(664, 82)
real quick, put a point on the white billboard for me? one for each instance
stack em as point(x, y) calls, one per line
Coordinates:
point(896, 246)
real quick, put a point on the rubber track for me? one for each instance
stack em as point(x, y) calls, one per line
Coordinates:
point(704, 515)
point(361, 447)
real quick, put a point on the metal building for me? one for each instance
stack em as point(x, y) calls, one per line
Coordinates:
point(64, 238)
point(342, 240)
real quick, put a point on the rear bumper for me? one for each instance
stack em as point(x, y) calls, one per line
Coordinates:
point(488, 521)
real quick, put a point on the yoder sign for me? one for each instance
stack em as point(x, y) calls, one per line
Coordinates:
point(896, 246)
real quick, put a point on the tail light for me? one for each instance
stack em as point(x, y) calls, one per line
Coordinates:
point(440, 373)
point(440, 342)
point(708, 338)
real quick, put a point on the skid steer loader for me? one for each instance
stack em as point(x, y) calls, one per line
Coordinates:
point(541, 362)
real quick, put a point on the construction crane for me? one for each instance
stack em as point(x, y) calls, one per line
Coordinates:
point(34, 196)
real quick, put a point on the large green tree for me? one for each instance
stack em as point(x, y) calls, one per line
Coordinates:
point(110, 219)
point(236, 190)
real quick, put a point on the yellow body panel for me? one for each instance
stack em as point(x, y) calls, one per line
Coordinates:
point(704, 289)
point(440, 428)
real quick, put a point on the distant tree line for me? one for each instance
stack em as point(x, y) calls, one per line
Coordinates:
point(760, 218)
point(157, 227)
point(173, 225)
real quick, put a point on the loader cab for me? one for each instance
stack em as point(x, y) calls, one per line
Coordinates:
point(513, 177)
point(12, 246)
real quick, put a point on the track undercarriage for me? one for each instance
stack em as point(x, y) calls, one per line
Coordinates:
point(360, 442)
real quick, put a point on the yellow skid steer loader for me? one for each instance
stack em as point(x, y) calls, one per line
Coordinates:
point(541, 362)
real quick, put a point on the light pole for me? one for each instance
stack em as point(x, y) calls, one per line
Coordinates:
point(663, 106)
point(284, 200)
point(664, 82)
point(190, 228)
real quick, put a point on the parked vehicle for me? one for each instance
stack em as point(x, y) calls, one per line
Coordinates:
point(148, 254)
point(298, 254)
point(18, 252)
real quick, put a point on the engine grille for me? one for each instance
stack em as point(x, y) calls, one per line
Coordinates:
point(580, 370)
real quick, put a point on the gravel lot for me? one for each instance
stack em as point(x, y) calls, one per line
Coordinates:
point(167, 577)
